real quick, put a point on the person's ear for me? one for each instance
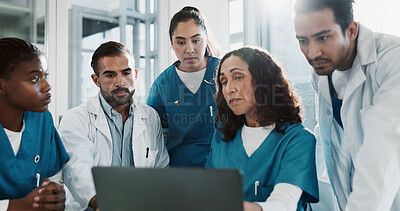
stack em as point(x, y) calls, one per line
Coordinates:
point(352, 31)
point(95, 79)
point(136, 73)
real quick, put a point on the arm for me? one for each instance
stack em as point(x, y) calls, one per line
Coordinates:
point(377, 165)
point(74, 132)
point(155, 101)
point(284, 197)
point(162, 159)
point(49, 196)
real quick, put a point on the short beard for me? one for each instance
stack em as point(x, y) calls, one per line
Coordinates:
point(116, 101)
point(343, 53)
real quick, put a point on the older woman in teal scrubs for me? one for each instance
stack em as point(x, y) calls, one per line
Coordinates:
point(259, 132)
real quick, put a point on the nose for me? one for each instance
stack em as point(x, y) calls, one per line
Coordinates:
point(230, 88)
point(314, 50)
point(119, 80)
point(189, 48)
point(45, 87)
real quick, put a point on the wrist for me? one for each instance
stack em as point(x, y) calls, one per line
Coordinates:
point(93, 202)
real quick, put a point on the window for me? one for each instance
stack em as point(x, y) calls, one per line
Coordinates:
point(278, 37)
point(236, 24)
point(24, 19)
point(130, 22)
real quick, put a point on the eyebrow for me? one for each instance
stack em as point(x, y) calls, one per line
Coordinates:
point(111, 71)
point(316, 34)
point(34, 71)
point(179, 37)
point(321, 32)
point(231, 70)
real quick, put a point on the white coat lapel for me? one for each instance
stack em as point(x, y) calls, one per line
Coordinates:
point(357, 78)
point(140, 144)
point(323, 88)
point(139, 125)
point(100, 122)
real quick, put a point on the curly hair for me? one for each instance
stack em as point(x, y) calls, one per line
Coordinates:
point(275, 98)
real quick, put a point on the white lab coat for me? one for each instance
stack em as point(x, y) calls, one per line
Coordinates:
point(368, 151)
point(86, 136)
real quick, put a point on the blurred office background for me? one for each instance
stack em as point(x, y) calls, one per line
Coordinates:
point(69, 31)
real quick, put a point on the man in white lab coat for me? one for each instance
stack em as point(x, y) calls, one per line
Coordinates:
point(357, 80)
point(111, 129)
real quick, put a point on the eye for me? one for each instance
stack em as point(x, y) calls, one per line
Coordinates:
point(35, 79)
point(322, 38)
point(46, 75)
point(238, 77)
point(302, 41)
point(223, 82)
point(126, 72)
point(196, 41)
point(180, 43)
point(109, 75)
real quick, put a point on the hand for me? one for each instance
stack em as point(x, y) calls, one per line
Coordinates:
point(49, 196)
point(249, 206)
point(93, 203)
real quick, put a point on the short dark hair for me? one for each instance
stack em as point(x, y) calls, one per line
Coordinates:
point(110, 48)
point(15, 50)
point(275, 98)
point(342, 9)
point(192, 13)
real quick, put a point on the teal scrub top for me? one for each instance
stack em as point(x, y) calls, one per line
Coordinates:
point(187, 116)
point(287, 157)
point(41, 152)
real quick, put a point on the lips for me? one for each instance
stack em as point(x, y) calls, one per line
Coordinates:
point(319, 63)
point(190, 59)
point(47, 99)
point(234, 101)
point(120, 92)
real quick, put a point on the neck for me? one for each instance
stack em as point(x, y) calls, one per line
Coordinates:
point(123, 110)
point(11, 118)
point(348, 61)
point(251, 121)
point(201, 66)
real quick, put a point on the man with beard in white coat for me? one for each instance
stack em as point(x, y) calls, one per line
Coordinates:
point(357, 80)
point(111, 129)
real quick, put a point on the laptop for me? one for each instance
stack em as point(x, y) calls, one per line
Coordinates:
point(168, 189)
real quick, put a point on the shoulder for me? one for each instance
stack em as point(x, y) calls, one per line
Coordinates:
point(218, 138)
point(212, 63)
point(383, 48)
point(82, 112)
point(39, 116)
point(387, 53)
point(144, 110)
point(164, 75)
point(298, 133)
